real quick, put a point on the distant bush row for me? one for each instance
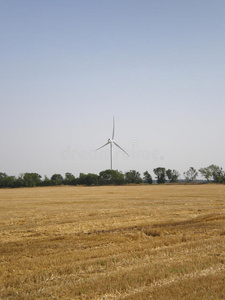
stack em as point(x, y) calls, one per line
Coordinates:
point(212, 173)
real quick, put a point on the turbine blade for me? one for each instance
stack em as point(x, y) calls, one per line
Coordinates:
point(102, 146)
point(113, 129)
point(121, 148)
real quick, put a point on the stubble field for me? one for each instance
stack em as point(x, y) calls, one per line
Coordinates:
point(127, 242)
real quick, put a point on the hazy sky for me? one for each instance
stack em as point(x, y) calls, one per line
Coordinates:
point(68, 67)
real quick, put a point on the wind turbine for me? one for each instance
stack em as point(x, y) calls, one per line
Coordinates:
point(111, 142)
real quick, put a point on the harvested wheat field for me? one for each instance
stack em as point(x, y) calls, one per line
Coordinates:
point(125, 242)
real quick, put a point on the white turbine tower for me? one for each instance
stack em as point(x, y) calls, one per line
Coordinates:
point(111, 142)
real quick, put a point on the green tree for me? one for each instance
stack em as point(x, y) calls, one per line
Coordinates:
point(206, 172)
point(133, 177)
point(18, 182)
point(172, 175)
point(46, 181)
point(3, 180)
point(109, 177)
point(7, 181)
point(217, 173)
point(147, 178)
point(191, 174)
point(56, 179)
point(70, 179)
point(160, 174)
point(91, 179)
point(11, 181)
point(31, 179)
point(88, 179)
point(82, 179)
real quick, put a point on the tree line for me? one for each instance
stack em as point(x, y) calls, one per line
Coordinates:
point(212, 173)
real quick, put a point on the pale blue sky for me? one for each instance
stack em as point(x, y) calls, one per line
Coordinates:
point(68, 67)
